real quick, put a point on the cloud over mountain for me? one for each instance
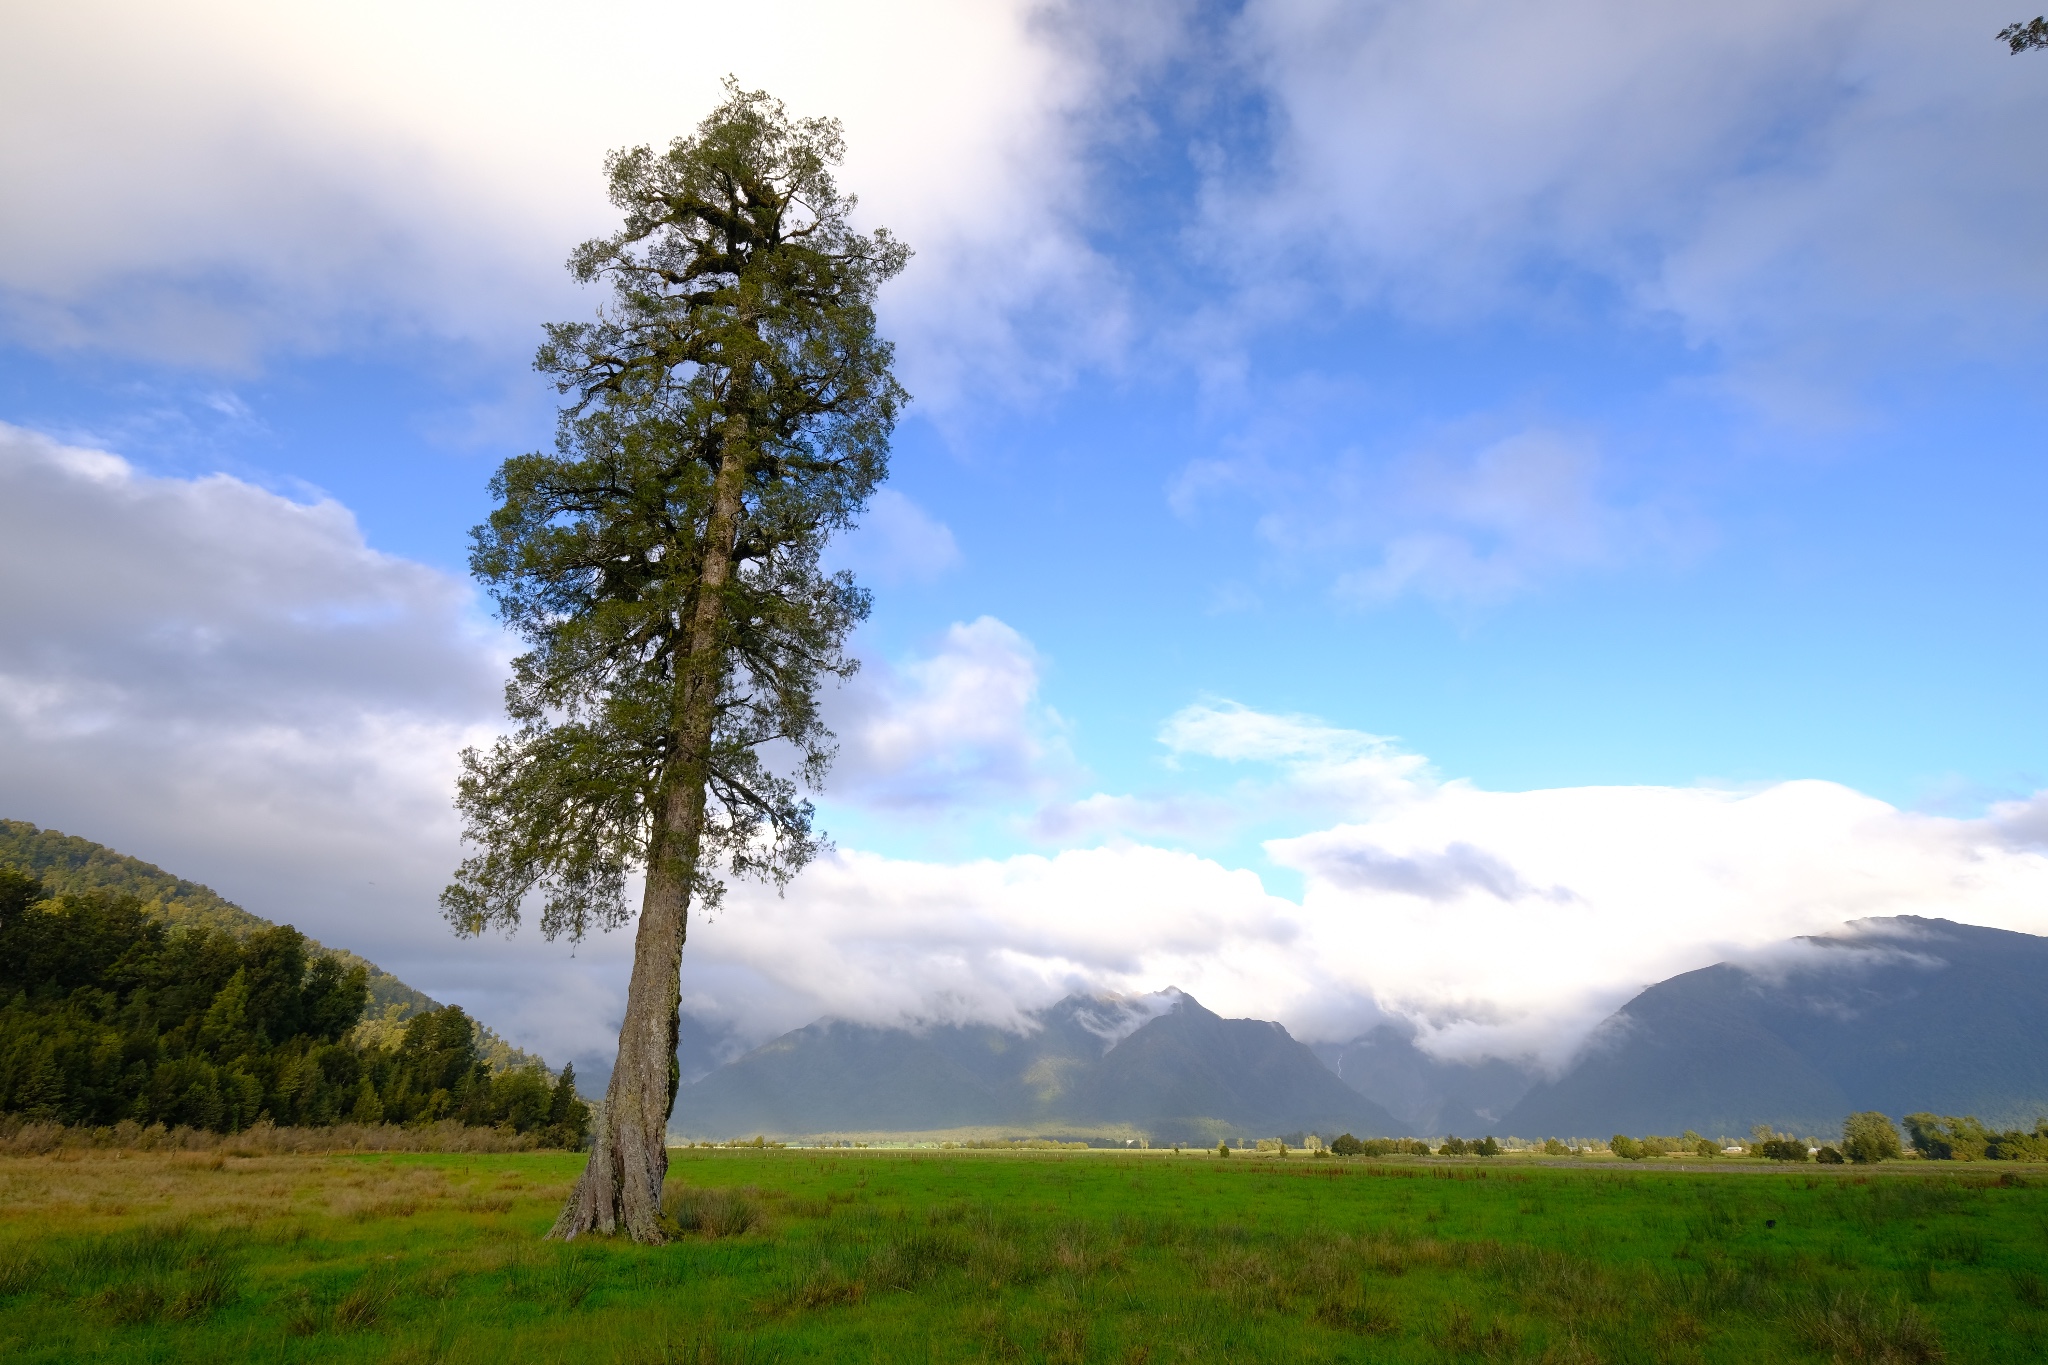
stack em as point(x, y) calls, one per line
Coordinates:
point(233, 685)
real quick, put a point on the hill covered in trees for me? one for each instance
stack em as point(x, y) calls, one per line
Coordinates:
point(109, 1011)
point(67, 864)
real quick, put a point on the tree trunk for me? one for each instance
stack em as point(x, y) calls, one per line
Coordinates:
point(620, 1188)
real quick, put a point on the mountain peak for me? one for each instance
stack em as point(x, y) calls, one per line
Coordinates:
point(1159, 1063)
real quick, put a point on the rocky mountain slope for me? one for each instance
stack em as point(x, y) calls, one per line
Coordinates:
point(1898, 1015)
point(1161, 1067)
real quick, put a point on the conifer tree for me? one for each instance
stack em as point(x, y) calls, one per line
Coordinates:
point(728, 412)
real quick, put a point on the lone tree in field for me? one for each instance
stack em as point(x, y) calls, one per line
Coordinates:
point(728, 412)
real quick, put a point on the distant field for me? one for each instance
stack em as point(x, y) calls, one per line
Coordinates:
point(1026, 1256)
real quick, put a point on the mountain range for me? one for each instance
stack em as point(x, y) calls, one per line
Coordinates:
point(1898, 1015)
point(1161, 1067)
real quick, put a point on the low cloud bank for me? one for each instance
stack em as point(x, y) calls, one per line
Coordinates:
point(1498, 923)
point(234, 685)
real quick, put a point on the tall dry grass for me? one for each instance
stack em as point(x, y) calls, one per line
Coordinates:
point(23, 1138)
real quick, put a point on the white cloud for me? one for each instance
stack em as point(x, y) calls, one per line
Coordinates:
point(232, 684)
point(961, 726)
point(1501, 923)
point(215, 181)
point(1461, 522)
point(1179, 816)
point(1781, 177)
point(898, 542)
point(1307, 770)
point(893, 941)
point(1511, 921)
point(211, 182)
point(1519, 510)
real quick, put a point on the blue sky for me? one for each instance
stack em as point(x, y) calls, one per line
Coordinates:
point(1604, 398)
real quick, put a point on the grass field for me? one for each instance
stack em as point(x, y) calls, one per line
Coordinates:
point(958, 1256)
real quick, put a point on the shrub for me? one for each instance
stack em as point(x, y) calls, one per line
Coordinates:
point(1381, 1147)
point(1626, 1147)
point(1485, 1147)
point(1870, 1137)
point(1947, 1138)
point(1453, 1146)
point(1552, 1147)
point(2017, 1146)
point(1223, 1149)
point(1967, 1139)
point(1782, 1149)
point(1828, 1156)
point(1705, 1147)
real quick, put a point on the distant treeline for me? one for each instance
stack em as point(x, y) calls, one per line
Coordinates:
point(108, 1015)
point(1347, 1145)
point(1867, 1137)
point(1947, 1138)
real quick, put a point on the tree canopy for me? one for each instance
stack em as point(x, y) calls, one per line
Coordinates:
point(1948, 1137)
point(740, 327)
point(1869, 1137)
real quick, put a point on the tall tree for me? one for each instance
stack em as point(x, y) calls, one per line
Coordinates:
point(729, 411)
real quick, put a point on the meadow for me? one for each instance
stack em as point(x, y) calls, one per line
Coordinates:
point(906, 1256)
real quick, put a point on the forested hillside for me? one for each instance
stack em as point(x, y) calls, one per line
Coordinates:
point(110, 1013)
point(66, 864)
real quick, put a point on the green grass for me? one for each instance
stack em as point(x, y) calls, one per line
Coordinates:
point(1019, 1256)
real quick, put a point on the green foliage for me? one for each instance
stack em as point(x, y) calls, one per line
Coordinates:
point(1396, 1147)
point(2022, 37)
point(109, 1015)
point(1554, 1147)
point(68, 865)
point(1627, 1148)
point(1782, 1149)
point(1457, 1146)
point(730, 411)
point(1223, 1149)
point(1869, 1137)
point(1949, 1138)
point(1347, 1145)
point(1829, 1156)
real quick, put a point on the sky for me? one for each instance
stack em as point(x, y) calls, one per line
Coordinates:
point(1410, 512)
